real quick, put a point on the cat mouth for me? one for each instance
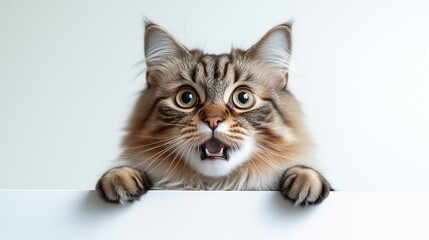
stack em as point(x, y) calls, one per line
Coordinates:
point(214, 149)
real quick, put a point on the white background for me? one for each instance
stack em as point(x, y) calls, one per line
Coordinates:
point(68, 82)
point(208, 215)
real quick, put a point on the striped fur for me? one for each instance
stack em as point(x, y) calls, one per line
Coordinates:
point(164, 140)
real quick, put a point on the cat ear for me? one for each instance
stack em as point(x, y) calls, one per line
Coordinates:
point(274, 51)
point(160, 48)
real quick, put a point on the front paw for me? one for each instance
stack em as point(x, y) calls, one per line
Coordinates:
point(122, 185)
point(304, 186)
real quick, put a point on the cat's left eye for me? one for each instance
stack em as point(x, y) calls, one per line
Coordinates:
point(243, 98)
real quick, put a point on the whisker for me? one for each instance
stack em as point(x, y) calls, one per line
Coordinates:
point(174, 150)
point(145, 145)
point(158, 154)
point(267, 161)
point(178, 151)
point(275, 154)
point(174, 124)
point(139, 153)
point(251, 161)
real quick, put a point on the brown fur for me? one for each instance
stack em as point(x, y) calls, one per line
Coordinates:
point(160, 135)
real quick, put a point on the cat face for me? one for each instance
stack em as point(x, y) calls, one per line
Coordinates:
point(212, 113)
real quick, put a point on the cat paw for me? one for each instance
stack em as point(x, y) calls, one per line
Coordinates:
point(304, 186)
point(122, 185)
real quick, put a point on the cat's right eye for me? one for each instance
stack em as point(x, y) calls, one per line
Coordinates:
point(186, 98)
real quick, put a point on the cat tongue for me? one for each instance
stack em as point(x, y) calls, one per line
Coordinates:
point(213, 145)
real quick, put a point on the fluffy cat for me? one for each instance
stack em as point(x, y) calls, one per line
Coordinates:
point(216, 122)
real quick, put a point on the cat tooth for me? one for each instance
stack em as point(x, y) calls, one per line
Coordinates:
point(207, 152)
point(218, 154)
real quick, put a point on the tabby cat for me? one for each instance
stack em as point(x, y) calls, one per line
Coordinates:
point(216, 122)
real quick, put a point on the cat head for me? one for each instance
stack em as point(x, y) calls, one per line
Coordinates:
point(213, 113)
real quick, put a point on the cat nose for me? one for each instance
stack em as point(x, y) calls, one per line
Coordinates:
point(213, 120)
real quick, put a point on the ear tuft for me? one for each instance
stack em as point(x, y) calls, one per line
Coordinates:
point(289, 23)
point(147, 22)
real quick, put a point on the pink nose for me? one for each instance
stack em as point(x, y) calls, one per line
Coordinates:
point(213, 120)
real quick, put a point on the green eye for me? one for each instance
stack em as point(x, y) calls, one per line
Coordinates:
point(186, 98)
point(243, 98)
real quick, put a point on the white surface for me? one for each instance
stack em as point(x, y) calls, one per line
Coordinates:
point(212, 215)
point(67, 82)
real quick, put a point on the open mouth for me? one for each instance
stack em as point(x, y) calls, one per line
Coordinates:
point(214, 149)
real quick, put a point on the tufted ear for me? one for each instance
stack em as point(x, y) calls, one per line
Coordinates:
point(274, 51)
point(160, 48)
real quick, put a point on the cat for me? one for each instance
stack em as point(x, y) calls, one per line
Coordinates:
point(216, 122)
